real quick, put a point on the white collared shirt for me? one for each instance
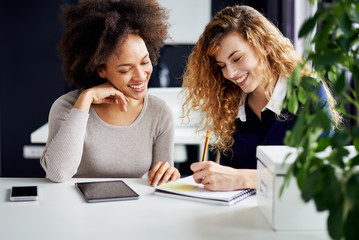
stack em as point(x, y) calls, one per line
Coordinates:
point(275, 102)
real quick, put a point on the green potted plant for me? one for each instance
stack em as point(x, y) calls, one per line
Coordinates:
point(332, 182)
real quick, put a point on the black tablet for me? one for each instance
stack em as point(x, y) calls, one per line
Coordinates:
point(106, 191)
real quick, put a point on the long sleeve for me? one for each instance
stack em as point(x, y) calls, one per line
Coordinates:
point(164, 142)
point(64, 147)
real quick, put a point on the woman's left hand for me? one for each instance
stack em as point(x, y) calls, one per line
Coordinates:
point(162, 172)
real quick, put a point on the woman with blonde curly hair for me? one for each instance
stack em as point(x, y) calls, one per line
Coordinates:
point(110, 127)
point(236, 78)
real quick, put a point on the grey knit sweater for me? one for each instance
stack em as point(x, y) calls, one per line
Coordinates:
point(80, 144)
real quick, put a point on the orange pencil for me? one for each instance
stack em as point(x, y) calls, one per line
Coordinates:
point(205, 146)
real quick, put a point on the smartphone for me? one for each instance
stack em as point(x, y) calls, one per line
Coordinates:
point(24, 193)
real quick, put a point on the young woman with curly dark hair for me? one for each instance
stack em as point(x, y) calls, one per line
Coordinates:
point(110, 127)
point(236, 78)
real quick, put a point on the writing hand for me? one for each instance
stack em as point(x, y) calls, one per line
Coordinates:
point(162, 172)
point(216, 177)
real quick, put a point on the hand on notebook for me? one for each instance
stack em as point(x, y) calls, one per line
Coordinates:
point(162, 172)
point(216, 177)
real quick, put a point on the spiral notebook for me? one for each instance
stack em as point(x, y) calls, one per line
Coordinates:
point(187, 188)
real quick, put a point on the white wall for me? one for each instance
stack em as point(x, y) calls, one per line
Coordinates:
point(302, 11)
point(188, 19)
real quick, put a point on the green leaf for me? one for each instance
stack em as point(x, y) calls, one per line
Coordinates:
point(345, 43)
point(309, 84)
point(333, 75)
point(339, 85)
point(295, 79)
point(322, 37)
point(324, 197)
point(341, 108)
point(293, 104)
point(353, 161)
point(335, 222)
point(294, 136)
point(352, 224)
point(315, 134)
point(354, 13)
point(337, 156)
point(327, 58)
point(352, 188)
point(355, 132)
point(308, 26)
point(345, 24)
point(302, 95)
point(287, 177)
point(322, 119)
point(323, 143)
point(356, 75)
point(356, 143)
point(340, 139)
point(309, 183)
point(301, 176)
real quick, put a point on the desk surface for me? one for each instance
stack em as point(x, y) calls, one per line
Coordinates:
point(61, 213)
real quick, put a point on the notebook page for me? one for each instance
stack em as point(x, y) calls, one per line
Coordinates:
point(187, 186)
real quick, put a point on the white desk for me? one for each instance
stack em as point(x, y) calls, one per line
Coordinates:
point(61, 214)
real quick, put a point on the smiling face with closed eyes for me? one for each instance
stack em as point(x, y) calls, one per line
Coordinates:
point(129, 68)
point(239, 62)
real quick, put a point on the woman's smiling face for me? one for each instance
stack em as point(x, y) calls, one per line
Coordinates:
point(238, 62)
point(129, 68)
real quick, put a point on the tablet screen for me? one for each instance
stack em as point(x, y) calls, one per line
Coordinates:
point(106, 191)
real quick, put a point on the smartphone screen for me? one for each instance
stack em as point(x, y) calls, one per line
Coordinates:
point(24, 193)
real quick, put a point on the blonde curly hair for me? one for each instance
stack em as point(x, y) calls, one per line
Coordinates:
point(206, 90)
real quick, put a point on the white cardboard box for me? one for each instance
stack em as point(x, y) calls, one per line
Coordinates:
point(288, 212)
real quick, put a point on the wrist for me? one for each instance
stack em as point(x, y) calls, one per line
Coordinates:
point(246, 178)
point(84, 101)
point(251, 179)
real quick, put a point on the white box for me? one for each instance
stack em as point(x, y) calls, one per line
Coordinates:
point(288, 212)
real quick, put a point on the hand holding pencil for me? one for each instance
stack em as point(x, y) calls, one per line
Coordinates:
point(216, 177)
